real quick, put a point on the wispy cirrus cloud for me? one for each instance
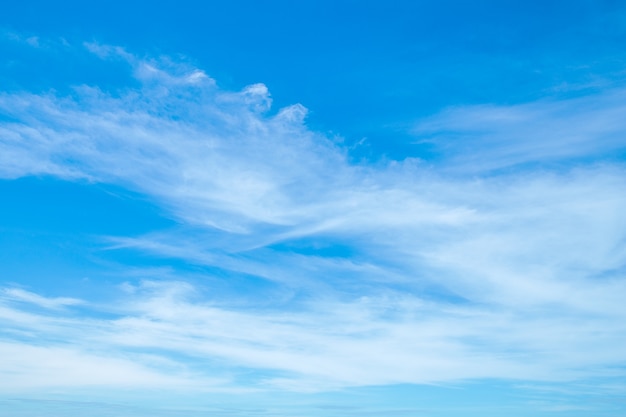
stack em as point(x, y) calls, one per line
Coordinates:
point(491, 137)
point(20, 295)
point(400, 272)
point(164, 334)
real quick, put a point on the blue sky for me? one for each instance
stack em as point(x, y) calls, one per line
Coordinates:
point(313, 208)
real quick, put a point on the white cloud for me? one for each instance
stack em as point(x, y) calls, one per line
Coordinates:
point(162, 330)
point(490, 137)
point(31, 367)
point(17, 294)
point(445, 277)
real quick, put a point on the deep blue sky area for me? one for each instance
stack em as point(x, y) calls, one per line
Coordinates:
point(380, 65)
point(312, 208)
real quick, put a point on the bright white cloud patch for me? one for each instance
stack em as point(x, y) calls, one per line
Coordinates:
point(386, 273)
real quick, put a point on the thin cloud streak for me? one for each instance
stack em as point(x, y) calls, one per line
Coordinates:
point(483, 138)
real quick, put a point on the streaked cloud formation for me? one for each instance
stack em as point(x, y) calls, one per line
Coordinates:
point(489, 137)
point(502, 258)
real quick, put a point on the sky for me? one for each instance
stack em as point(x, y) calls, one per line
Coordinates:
point(313, 209)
